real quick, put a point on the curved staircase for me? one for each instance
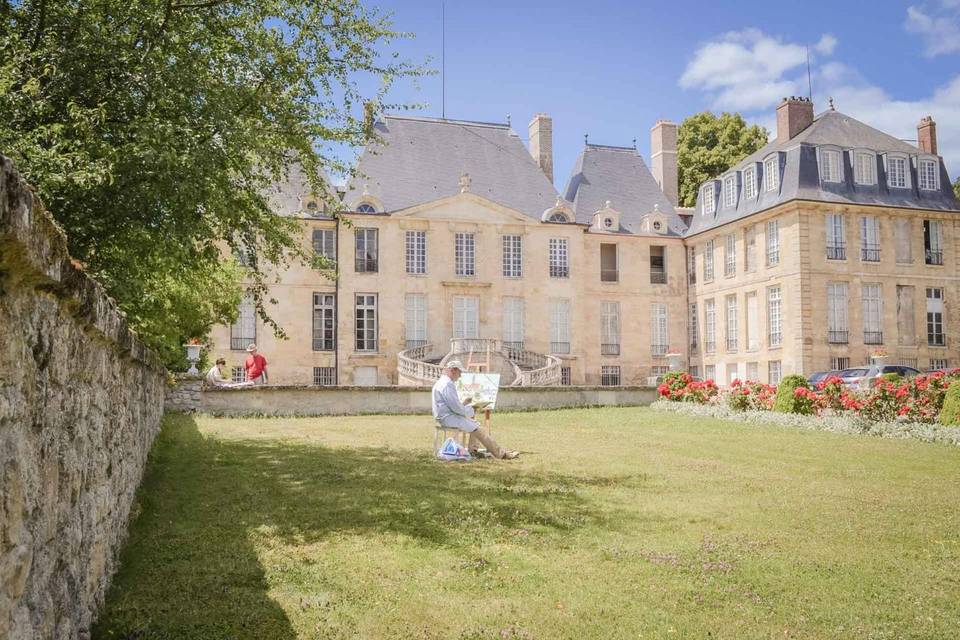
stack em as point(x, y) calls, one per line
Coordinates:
point(517, 366)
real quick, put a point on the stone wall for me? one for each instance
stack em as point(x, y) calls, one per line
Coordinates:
point(80, 403)
point(319, 401)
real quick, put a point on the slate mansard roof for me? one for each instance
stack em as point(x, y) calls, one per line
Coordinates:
point(617, 174)
point(798, 162)
point(422, 159)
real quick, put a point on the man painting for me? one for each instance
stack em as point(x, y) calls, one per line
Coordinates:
point(451, 413)
point(255, 366)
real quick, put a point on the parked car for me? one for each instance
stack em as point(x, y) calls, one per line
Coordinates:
point(864, 377)
point(820, 376)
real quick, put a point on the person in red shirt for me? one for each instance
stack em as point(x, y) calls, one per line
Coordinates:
point(255, 366)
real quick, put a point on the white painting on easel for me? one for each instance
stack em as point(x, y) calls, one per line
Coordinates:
point(480, 388)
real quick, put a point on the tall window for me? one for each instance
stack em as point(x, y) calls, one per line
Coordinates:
point(465, 254)
point(466, 317)
point(933, 241)
point(608, 263)
point(750, 182)
point(750, 249)
point(897, 172)
point(773, 243)
point(730, 191)
point(513, 322)
point(837, 302)
point(836, 237)
point(324, 321)
point(710, 372)
point(906, 315)
point(415, 315)
point(829, 165)
point(610, 328)
point(869, 239)
point(559, 258)
point(865, 168)
point(935, 335)
point(659, 341)
point(732, 323)
point(872, 318)
point(416, 244)
point(610, 375)
point(730, 255)
point(709, 326)
point(708, 199)
point(753, 371)
point(708, 261)
point(566, 378)
point(365, 312)
point(927, 174)
point(774, 317)
point(244, 331)
point(774, 372)
point(658, 264)
point(367, 250)
point(751, 332)
point(560, 326)
point(693, 327)
point(692, 265)
point(771, 173)
point(512, 256)
point(325, 243)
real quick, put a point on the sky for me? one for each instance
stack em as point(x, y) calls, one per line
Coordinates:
point(611, 69)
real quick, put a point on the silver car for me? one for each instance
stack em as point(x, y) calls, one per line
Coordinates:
point(862, 378)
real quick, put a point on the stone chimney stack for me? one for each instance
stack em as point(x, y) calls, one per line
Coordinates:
point(927, 135)
point(541, 142)
point(663, 158)
point(793, 116)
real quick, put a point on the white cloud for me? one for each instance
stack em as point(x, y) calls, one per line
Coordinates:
point(750, 72)
point(940, 30)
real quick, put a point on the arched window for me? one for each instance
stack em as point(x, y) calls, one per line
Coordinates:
point(559, 216)
point(366, 208)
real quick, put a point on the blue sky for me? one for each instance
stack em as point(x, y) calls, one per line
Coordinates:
point(611, 69)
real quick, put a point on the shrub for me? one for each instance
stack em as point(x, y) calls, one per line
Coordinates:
point(892, 377)
point(756, 396)
point(681, 387)
point(950, 413)
point(885, 401)
point(787, 401)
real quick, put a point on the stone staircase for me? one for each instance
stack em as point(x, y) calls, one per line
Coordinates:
point(517, 366)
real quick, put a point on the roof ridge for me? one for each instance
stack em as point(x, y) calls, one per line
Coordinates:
point(431, 119)
point(610, 146)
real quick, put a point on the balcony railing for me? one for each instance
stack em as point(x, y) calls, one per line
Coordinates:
point(936, 339)
point(659, 349)
point(873, 337)
point(610, 349)
point(559, 347)
point(870, 254)
point(609, 275)
point(710, 346)
point(559, 271)
point(836, 252)
point(838, 337)
point(658, 277)
point(731, 344)
point(365, 265)
point(413, 344)
point(241, 343)
point(774, 339)
point(933, 257)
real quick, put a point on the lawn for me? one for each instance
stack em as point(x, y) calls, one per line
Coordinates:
point(615, 523)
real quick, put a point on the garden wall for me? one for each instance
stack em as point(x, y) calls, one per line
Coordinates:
point(188, 395)
point(80, 403)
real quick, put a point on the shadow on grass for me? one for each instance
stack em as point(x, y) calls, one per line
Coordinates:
point(190, 568)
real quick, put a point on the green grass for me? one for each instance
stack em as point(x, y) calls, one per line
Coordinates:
point(615, 523)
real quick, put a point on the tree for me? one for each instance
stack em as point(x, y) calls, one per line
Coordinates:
point(708, 145)
point(152, 130)
point(956, 188)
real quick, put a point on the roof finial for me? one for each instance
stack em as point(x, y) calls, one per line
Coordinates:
point(607, 205)
point(586, 136)
point(464, 182)
point(832, 108)
point(656, 208)
point(634, 144)
point(508, 119)
point(559, 202)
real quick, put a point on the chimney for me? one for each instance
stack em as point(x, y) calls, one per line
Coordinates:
point(663, 158)
point(541, 142)
point(793, 116)
point(927, 135)
point(369, 118)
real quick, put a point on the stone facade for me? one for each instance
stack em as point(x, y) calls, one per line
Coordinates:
point(80, 403)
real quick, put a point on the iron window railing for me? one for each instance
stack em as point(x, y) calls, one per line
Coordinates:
point(870, 253)
point(836, 252)
point(658, 277)
point(933, 257)
point(873, 337)
point(659, 349)
point(413, 344)
point(610, 349)
point(709, 346)
point(731, 344)
point(838, 337)
point(559, 347)
point(610, 376)
point(609, 275)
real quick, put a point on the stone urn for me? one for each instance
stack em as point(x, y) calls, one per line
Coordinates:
point(193, 356)
point(674, 361)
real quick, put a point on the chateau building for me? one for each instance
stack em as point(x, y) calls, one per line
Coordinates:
point(832, 241)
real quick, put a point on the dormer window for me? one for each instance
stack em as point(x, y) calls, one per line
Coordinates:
point(366, 207)
point(730, 191)
point(750, 182)
point(865, 168)
point(771, 173)
point(608, 223)
point(928, 174)
point(708, 198)
point(830, 169)
point(557, 217)
point(897, 176)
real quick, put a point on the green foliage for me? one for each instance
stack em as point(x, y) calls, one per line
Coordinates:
point(152, 130)
point(956, 188)
point(950, 413)
point(708, 145)
point(895, 378)
point(787, 400)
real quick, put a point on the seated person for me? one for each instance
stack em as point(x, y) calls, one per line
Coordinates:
point(215, 377)
point(451, 413)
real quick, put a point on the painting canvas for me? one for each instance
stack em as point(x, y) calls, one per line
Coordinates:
point(481, 388)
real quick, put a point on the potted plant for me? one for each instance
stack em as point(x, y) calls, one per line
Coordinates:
point(879, 356)
point(674, 359)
